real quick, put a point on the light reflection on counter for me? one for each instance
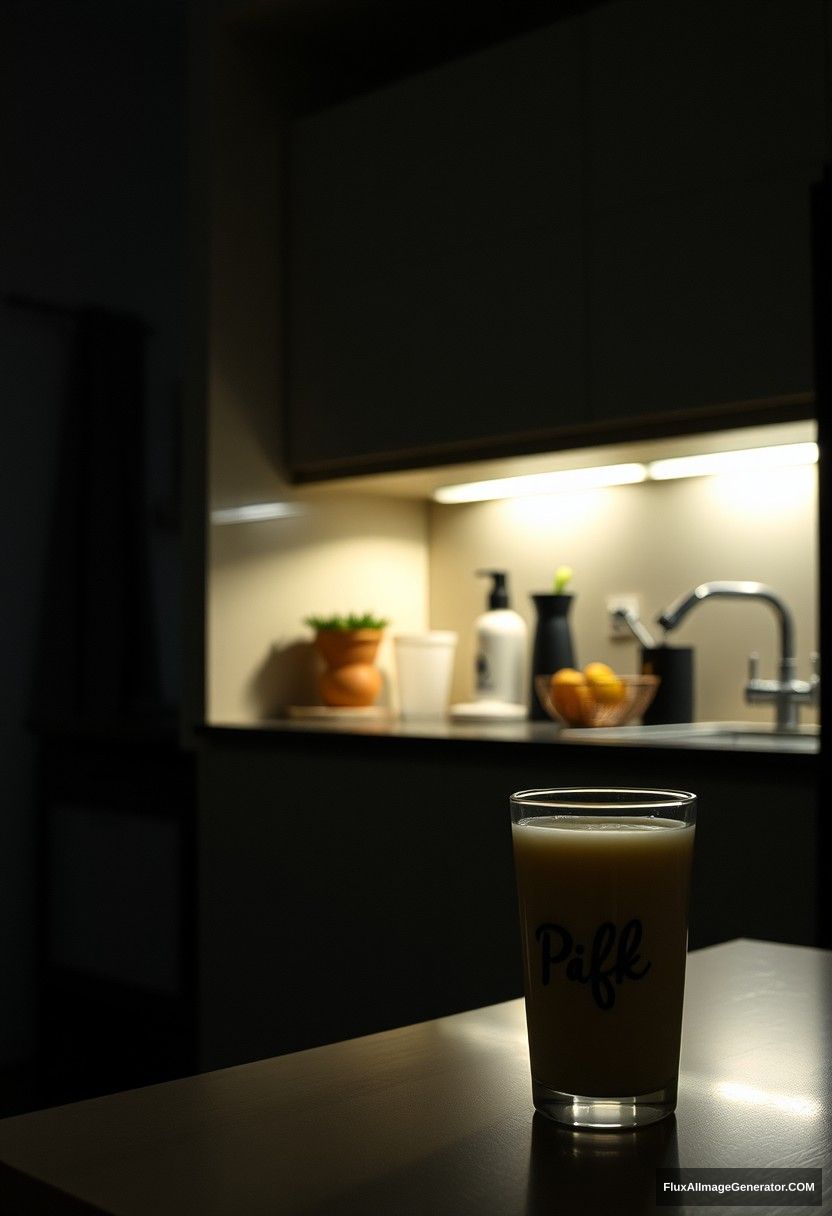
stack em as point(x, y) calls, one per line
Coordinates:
point(792, 1104)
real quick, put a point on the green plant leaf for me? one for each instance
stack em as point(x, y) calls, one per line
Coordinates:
point(563, 576)
point(352, 620)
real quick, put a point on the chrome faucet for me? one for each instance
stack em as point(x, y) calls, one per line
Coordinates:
point(787, 692)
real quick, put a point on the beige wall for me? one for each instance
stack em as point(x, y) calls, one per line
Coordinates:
point(657, 540)
point(350, 554)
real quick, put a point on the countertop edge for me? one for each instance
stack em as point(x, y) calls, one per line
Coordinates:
point(539, 736)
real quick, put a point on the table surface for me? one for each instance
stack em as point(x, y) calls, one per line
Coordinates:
point(436, 1118)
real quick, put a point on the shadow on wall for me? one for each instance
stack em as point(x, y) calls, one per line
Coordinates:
point(287, 676)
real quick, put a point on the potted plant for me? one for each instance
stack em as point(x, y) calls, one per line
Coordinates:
point(348, 646)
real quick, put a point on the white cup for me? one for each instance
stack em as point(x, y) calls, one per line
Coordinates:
point(425, 668)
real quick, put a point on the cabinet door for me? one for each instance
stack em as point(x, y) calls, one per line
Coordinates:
point(436, 270)
point(706, 129)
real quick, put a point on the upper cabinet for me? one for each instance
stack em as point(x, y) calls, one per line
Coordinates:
point(436, 257)
point(599, 226)
point(705, 130)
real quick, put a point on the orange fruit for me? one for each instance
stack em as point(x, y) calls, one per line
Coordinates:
point(606, 687)
point(571, 696)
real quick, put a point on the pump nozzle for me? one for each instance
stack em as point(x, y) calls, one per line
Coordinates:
point(498, 596)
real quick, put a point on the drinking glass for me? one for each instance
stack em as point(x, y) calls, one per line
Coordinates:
point(603, 880)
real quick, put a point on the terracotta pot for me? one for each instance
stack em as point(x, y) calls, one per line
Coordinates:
point(351, 679)
point(338, 647)
point(353, 686)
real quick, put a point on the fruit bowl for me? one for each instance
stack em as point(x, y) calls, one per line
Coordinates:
point(585, 710)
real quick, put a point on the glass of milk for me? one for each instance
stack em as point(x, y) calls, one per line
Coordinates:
point(603, 879)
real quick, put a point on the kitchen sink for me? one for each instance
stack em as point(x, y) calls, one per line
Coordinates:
point(747, 736)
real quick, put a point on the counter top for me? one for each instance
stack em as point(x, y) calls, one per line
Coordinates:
point(437, 1117)
point(738, 737)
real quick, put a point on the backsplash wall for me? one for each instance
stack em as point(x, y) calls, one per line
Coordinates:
point(414, 562)
point(657, 540)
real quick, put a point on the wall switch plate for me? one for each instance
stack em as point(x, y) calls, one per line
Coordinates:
point(628, 600)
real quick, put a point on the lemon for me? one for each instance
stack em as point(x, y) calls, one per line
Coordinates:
point(606, 687)
point(568, 675)
point(598, 671)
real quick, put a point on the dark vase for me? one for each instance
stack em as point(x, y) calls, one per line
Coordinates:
point(552, 643)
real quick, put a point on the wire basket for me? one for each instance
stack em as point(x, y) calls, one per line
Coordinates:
point(582, 709)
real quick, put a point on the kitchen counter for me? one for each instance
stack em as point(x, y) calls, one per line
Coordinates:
point(734, 736)
point(437, 1117)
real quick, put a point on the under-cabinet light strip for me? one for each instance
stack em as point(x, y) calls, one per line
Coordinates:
point(746, 460)
point(542, 483)
point(704, 465)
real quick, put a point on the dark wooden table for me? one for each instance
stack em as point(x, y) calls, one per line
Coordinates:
point(436, 1119)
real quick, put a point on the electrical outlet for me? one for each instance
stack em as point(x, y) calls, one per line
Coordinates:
point(628, 600)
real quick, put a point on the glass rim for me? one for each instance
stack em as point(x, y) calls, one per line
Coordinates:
point(582, 797)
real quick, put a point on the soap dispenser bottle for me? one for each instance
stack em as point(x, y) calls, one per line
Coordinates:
point(501, 645)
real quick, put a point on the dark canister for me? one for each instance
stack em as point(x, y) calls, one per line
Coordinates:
point(552, 648)
point(673, 701)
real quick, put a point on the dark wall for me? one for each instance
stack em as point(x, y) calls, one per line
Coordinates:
point(91, 214)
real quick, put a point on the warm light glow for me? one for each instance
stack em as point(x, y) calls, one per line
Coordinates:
point(779, 496)
point(542, 512)
point(255, 512)
point(746, 460)
point(541, 483)
point(792, 1104)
